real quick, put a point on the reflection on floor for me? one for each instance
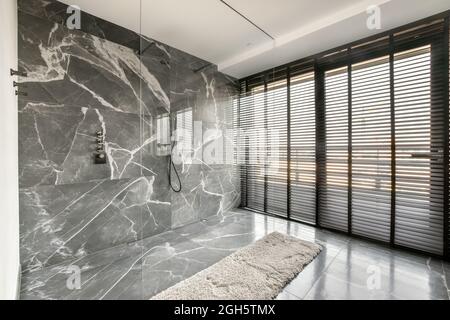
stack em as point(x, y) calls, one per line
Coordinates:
point(346, 269)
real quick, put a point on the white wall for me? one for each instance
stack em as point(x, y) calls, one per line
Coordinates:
point(9, 199)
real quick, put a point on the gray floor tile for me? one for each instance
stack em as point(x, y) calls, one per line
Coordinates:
point(342, 271)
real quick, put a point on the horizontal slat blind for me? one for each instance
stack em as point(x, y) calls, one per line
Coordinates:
point(242, 143)
point(232, 146)
point(334, 192)
point(362, 113)
point(371, 149)
point(448, 136)
point(277, 196)
point(419, 197)
point(253, 121)
point(185, 132)
point(303, 148)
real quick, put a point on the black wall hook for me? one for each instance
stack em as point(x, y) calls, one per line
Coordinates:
point(17, 84)
point(20, 93)
point(18, 73)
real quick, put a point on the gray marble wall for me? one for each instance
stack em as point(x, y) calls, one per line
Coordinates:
point(99, 77)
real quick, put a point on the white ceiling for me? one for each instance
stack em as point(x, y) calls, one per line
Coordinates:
point(212, 31)
point(282, 17)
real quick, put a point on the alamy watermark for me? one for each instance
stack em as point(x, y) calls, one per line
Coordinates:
point(74, 279)
point(374, 278)
point(374, 19)
point(73, 22)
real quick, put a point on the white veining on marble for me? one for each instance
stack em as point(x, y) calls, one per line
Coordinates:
point(78, 83)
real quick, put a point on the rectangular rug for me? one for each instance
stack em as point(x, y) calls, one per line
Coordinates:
point(258, 272)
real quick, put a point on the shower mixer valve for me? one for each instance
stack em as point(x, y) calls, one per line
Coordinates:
point(100, 155)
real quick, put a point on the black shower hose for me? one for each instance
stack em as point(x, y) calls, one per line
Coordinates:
point(172, 165)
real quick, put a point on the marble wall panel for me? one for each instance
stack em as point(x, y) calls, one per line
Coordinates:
point(57, 145)
point(106, 77)
point(71, 221)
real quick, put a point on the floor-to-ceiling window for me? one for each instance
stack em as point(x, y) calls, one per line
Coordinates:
point(355, 140)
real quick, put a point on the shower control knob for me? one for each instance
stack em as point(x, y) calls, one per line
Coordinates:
point(100, 156)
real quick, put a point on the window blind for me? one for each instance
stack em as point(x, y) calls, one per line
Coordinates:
point(419, 191)
point(362, 136)
point(185, 134)
point(447, 206)
point(303, 147)
point(371, 149)
point(244, 125)
point(334, 192)
point(276, 138)
point(256, 149)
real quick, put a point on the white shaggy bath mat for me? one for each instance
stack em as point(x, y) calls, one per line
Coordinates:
point(258, 272)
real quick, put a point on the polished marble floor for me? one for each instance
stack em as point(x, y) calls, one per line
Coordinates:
point(346, 269)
